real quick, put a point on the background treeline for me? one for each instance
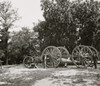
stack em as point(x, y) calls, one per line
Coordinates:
point(67, 23)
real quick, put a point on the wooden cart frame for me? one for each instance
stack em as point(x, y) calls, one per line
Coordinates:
point(54, 56)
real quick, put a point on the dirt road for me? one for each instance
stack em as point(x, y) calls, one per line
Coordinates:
point(18, 75)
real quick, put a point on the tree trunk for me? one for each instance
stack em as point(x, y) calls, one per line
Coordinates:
point(6, 53)
point(6, 45)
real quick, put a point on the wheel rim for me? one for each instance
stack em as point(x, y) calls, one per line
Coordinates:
point(81, 56)
point(64, 52)
point(27, 61)
point(53, 56)
point(94, 51)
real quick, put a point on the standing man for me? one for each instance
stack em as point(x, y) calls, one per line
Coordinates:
point(95, 60)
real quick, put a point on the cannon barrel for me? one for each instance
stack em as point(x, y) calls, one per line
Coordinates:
point(55, 56)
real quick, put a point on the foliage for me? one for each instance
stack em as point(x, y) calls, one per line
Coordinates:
point(1, 54)
point(22, 43)
point(97, 40)
point(8, 16)
point(59, 29)
point(68, 23)
point(87, 13)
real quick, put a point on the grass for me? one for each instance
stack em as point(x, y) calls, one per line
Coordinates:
point(28, 78)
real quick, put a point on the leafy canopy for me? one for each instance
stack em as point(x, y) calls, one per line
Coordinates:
point(68, 23)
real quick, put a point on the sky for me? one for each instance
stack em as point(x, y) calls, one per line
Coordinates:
point(29, 11)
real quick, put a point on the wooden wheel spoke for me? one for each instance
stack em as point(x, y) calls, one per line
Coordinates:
point(47, 51)
point(76, 52)
point(86, 62)
point(56, 61)
point(28, 62)
point(50, 50)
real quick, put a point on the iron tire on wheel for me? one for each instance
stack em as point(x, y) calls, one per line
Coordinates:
point(64, 52)
point(28, 61)
point(94, 51)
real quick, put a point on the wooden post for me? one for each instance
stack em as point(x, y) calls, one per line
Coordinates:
point(1, 63)
point(45, 61)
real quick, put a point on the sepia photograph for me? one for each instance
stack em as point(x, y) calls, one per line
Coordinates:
point(49, 42)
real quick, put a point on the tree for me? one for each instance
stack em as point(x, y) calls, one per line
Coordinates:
point(23, 43)
point(87, 13)
point(8, 16)
point(97, 35)
point(59, 28)
point(68, 23)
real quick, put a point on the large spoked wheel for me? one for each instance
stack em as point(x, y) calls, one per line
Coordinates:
point(82, 56)
point(51, 56)
point(28, 60)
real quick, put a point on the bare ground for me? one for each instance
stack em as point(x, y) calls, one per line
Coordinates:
point(18, 75)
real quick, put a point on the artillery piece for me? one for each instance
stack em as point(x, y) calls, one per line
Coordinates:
point(55, 56)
